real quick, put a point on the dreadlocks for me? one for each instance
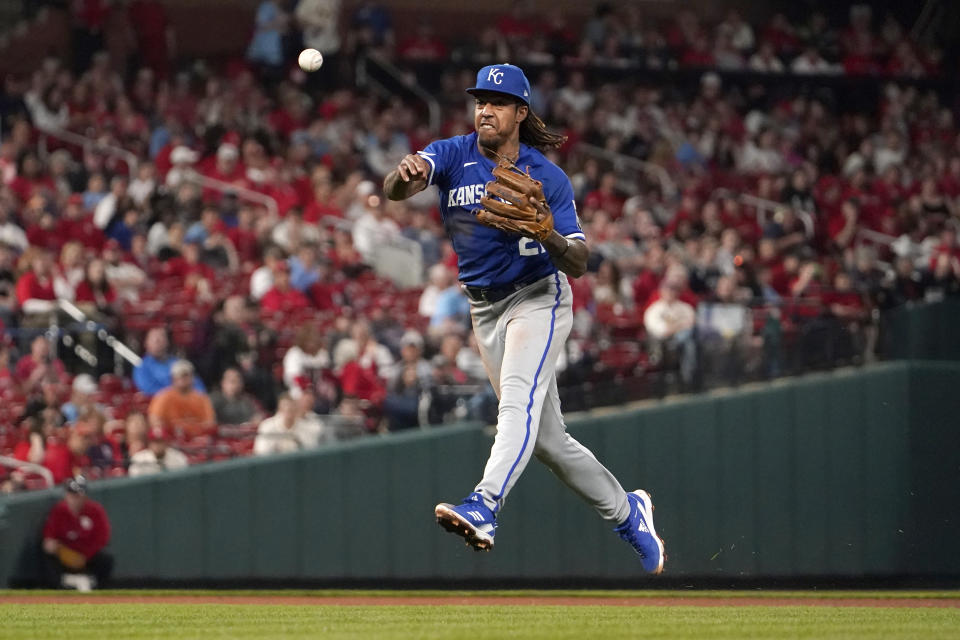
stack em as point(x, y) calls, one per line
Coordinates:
point(534, 133)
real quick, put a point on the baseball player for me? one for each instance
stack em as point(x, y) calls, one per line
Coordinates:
point(517, 238)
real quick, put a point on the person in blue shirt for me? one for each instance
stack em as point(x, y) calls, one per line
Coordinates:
point(304, 268)
point(271, 23)
point(521, 310)
point(153, 374)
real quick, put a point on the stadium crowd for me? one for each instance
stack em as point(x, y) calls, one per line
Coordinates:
point(785, 222)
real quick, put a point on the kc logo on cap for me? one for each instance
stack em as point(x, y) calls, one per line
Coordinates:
point(503, 78)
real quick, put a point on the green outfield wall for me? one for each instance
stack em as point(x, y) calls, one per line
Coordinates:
point(850, 473)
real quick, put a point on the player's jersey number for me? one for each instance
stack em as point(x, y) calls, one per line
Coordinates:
point(530, 247)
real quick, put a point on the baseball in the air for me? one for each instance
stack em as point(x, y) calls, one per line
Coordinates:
point(310, 60)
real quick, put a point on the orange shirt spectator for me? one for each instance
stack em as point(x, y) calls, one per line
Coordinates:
point(180, 407)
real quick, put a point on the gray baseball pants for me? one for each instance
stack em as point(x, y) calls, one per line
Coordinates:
point(520, 339)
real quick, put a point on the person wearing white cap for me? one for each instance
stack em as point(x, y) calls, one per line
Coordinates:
point(82, 399)
point(227, 167)
point(182, 158)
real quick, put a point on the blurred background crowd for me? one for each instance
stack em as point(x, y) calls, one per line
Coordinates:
point(196, 261)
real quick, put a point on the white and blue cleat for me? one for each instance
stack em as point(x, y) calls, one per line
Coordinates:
point(638, 530)
point(472, 520)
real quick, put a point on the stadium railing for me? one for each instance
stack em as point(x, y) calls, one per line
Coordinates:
point(621, 163)
point(28, 468)
point(377, 72)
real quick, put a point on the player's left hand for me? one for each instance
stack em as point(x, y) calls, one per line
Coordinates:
point(514, 203)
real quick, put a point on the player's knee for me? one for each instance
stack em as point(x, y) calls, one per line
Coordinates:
point(547, 448)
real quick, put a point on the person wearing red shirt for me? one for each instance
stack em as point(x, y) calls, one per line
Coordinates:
point(188, 265)
point(226, 168)
point(35, 288)
point(94, 293)
point(323, 203)
point(37, 365)
point(77, 224)
point(283, 297)
point(424, 45)
point(153, 34)
point(63, 459)
point(605, 197)
point(30, 178)
point(244, 236)
point(80, 525)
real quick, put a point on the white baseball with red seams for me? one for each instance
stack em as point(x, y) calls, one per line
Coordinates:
point(310, 60)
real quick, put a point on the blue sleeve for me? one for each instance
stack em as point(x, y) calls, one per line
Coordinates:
point(265, 13)
point(143, 379)
point(560, 198)
point(442, 156)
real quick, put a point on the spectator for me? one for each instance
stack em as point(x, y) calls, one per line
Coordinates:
point(230, 404)
point(125, 277)
point(452, 310)
point(135, 430)
point(363, 348)
point(182, 171)
point(294, 230)
point(102, 451)
point(811, 63)
point(669, 322)
point(304, 270)
point(35, 288)
point(439, 279)
point(39, 365)
point(232, 334)
point(158, 456)
point(283, 298)
point(305, 362)
point(66, 452)
point(154, 372)
point(288, 430)
point(765, 60)
point(11, 235)
point(319, 20)
point(373, 229)
point(94, 294)
point(411, 356)
point(401, 406)
point(261, 280)
point(82, 399)
point(266, 46)
point(74, 536)
point(180, 407)
point(6, 371)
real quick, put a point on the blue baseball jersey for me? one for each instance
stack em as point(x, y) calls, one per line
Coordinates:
point(489, 257)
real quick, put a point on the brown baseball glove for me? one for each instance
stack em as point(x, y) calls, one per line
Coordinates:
point(514, 203)
point(71, 559)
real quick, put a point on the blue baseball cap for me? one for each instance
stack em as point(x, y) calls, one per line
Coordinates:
point(503, 78)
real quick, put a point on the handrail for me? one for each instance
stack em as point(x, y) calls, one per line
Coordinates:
point(433, 105)
point(876, 236)
point(29, 467)
point(242, 192)
point(763, 204)
point(667, 185)
point(111, 341)
point(128, 157)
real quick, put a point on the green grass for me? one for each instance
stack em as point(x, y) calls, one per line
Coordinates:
point(136, 621)
point(539, 593)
